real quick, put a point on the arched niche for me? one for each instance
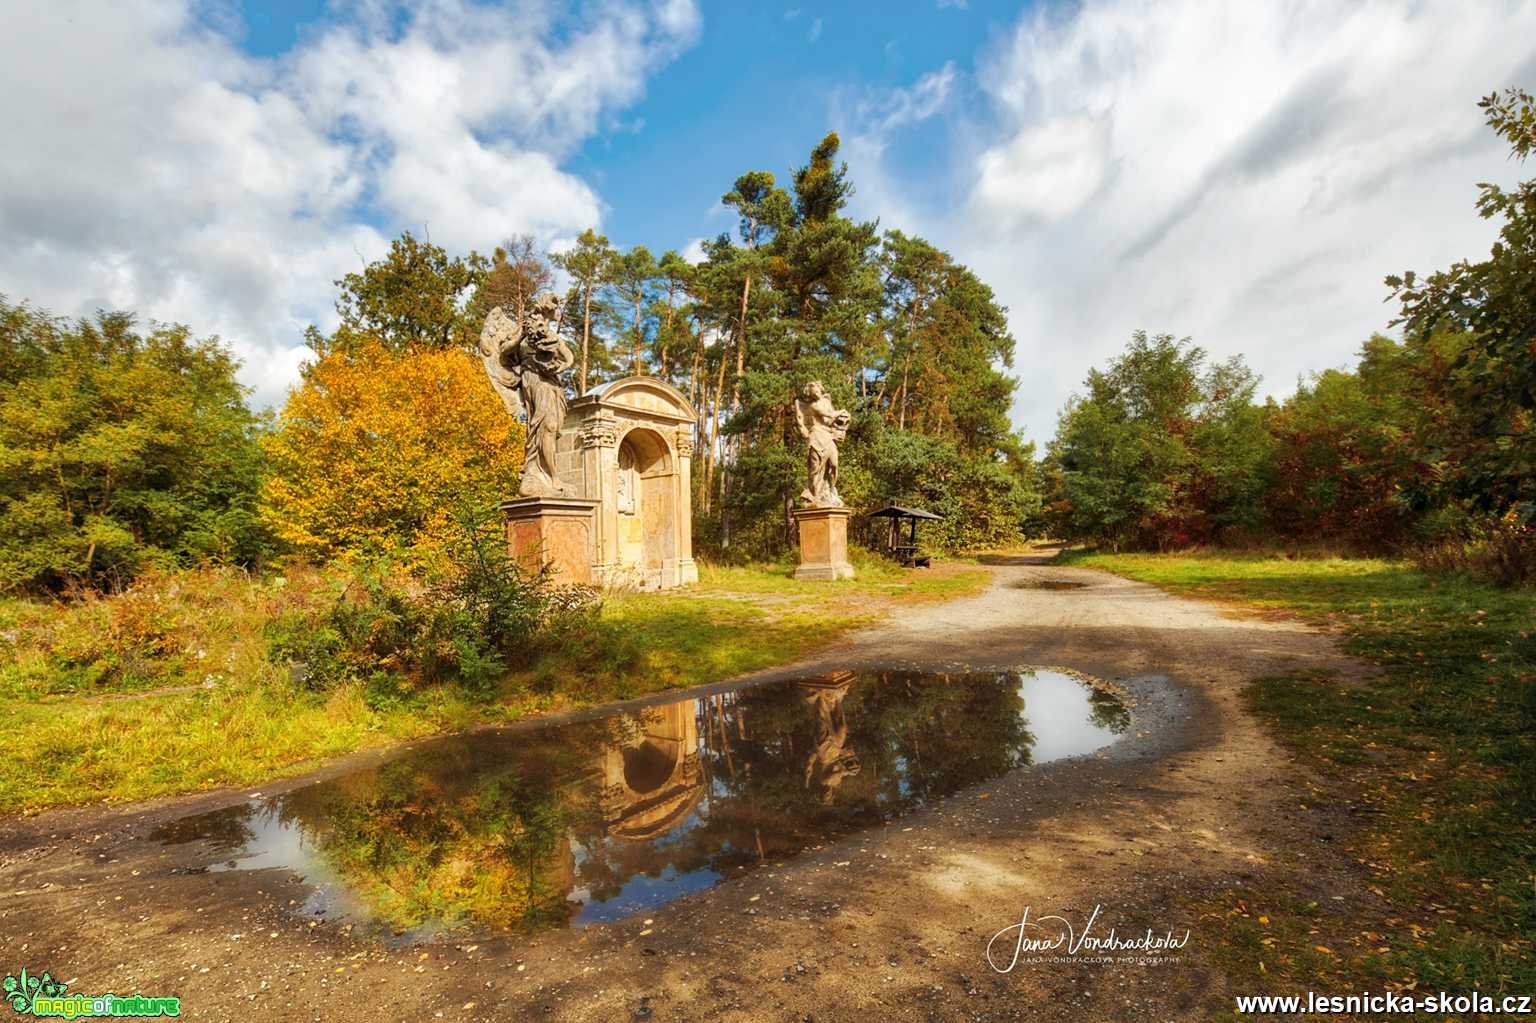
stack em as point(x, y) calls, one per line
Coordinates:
point(646, 502)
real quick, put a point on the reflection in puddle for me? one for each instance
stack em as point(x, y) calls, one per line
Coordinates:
point(598, 820)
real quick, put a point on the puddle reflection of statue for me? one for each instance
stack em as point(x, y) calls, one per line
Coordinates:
point(525, 361)
point(830, 760)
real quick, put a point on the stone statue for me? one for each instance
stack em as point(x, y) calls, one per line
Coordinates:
point(526, 361)
point(822, 426)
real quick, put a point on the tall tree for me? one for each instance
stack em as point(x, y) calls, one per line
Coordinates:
point(1163, 450)
point(590, 264)
point(518, 271)
point(412, 298)
point(1494, 301)
point(761, 208)
point(633, 280)
point(673, 273)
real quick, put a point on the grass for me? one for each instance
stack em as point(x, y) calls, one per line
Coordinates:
point(168, 688)
point(738, 619)
point(1438, 753)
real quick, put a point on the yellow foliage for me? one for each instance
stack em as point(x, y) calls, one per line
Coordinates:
point(376, 450)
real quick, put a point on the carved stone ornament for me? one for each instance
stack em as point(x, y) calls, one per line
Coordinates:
point(600, 431)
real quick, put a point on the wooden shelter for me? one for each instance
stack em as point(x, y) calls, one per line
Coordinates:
point(906, 553)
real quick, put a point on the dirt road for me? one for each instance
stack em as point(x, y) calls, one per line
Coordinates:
point(889, 924)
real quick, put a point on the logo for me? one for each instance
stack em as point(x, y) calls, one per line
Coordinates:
point(22, 991)
point(1053, 939)
point(44, 997)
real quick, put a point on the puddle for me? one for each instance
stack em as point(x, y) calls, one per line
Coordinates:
point(594, 821)
point(1048, 584)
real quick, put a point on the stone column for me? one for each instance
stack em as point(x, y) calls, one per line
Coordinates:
point(687, 569)
point(599, 456)
point(823, 543)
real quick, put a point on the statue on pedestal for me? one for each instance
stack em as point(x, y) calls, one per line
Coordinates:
point(823, 427)
point(526, 361)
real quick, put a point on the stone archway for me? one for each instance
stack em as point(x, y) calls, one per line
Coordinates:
point(646, 502)
point(625, 458)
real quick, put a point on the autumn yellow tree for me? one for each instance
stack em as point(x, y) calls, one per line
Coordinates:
point(376, 450)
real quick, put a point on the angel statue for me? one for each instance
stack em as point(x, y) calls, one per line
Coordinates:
point(525, 361)
point(822, 426)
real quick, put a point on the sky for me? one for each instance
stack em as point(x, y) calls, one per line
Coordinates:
point(1242, 174)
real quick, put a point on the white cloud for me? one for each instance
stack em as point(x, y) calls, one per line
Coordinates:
point(875, 118)
point(1043, 174)
point(815, 31)
point(1245, 174)
point(151, 165)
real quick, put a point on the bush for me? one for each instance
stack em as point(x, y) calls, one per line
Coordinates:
point(1502, 550)
point(468, 621)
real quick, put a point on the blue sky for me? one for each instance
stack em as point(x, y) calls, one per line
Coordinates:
point(757, 91)
point(1244, 174)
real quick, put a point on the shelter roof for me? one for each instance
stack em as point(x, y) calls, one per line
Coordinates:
point(896, 511)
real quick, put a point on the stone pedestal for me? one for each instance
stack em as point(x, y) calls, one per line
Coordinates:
point(823, 543)
point(559, 531)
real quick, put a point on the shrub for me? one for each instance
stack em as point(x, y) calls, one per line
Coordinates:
point(1501, 550)
point(471, 618)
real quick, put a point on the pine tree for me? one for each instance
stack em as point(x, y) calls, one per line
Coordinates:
point(590, 264)
point(632, 281)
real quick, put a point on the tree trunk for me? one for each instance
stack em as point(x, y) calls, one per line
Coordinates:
point(698, 363)
point(634, 352)
point(741, 334)
point(666, 334)
point(714, 432)
point(586, 336)
point(741, 344)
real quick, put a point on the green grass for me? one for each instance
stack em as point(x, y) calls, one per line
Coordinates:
point(89, 718)
point(951, 576)
point(1441, 748)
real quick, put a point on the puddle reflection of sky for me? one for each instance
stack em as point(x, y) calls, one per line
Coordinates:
point(1060, 716)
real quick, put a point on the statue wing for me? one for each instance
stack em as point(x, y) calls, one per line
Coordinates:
point(499, 332)
point(502, 333)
